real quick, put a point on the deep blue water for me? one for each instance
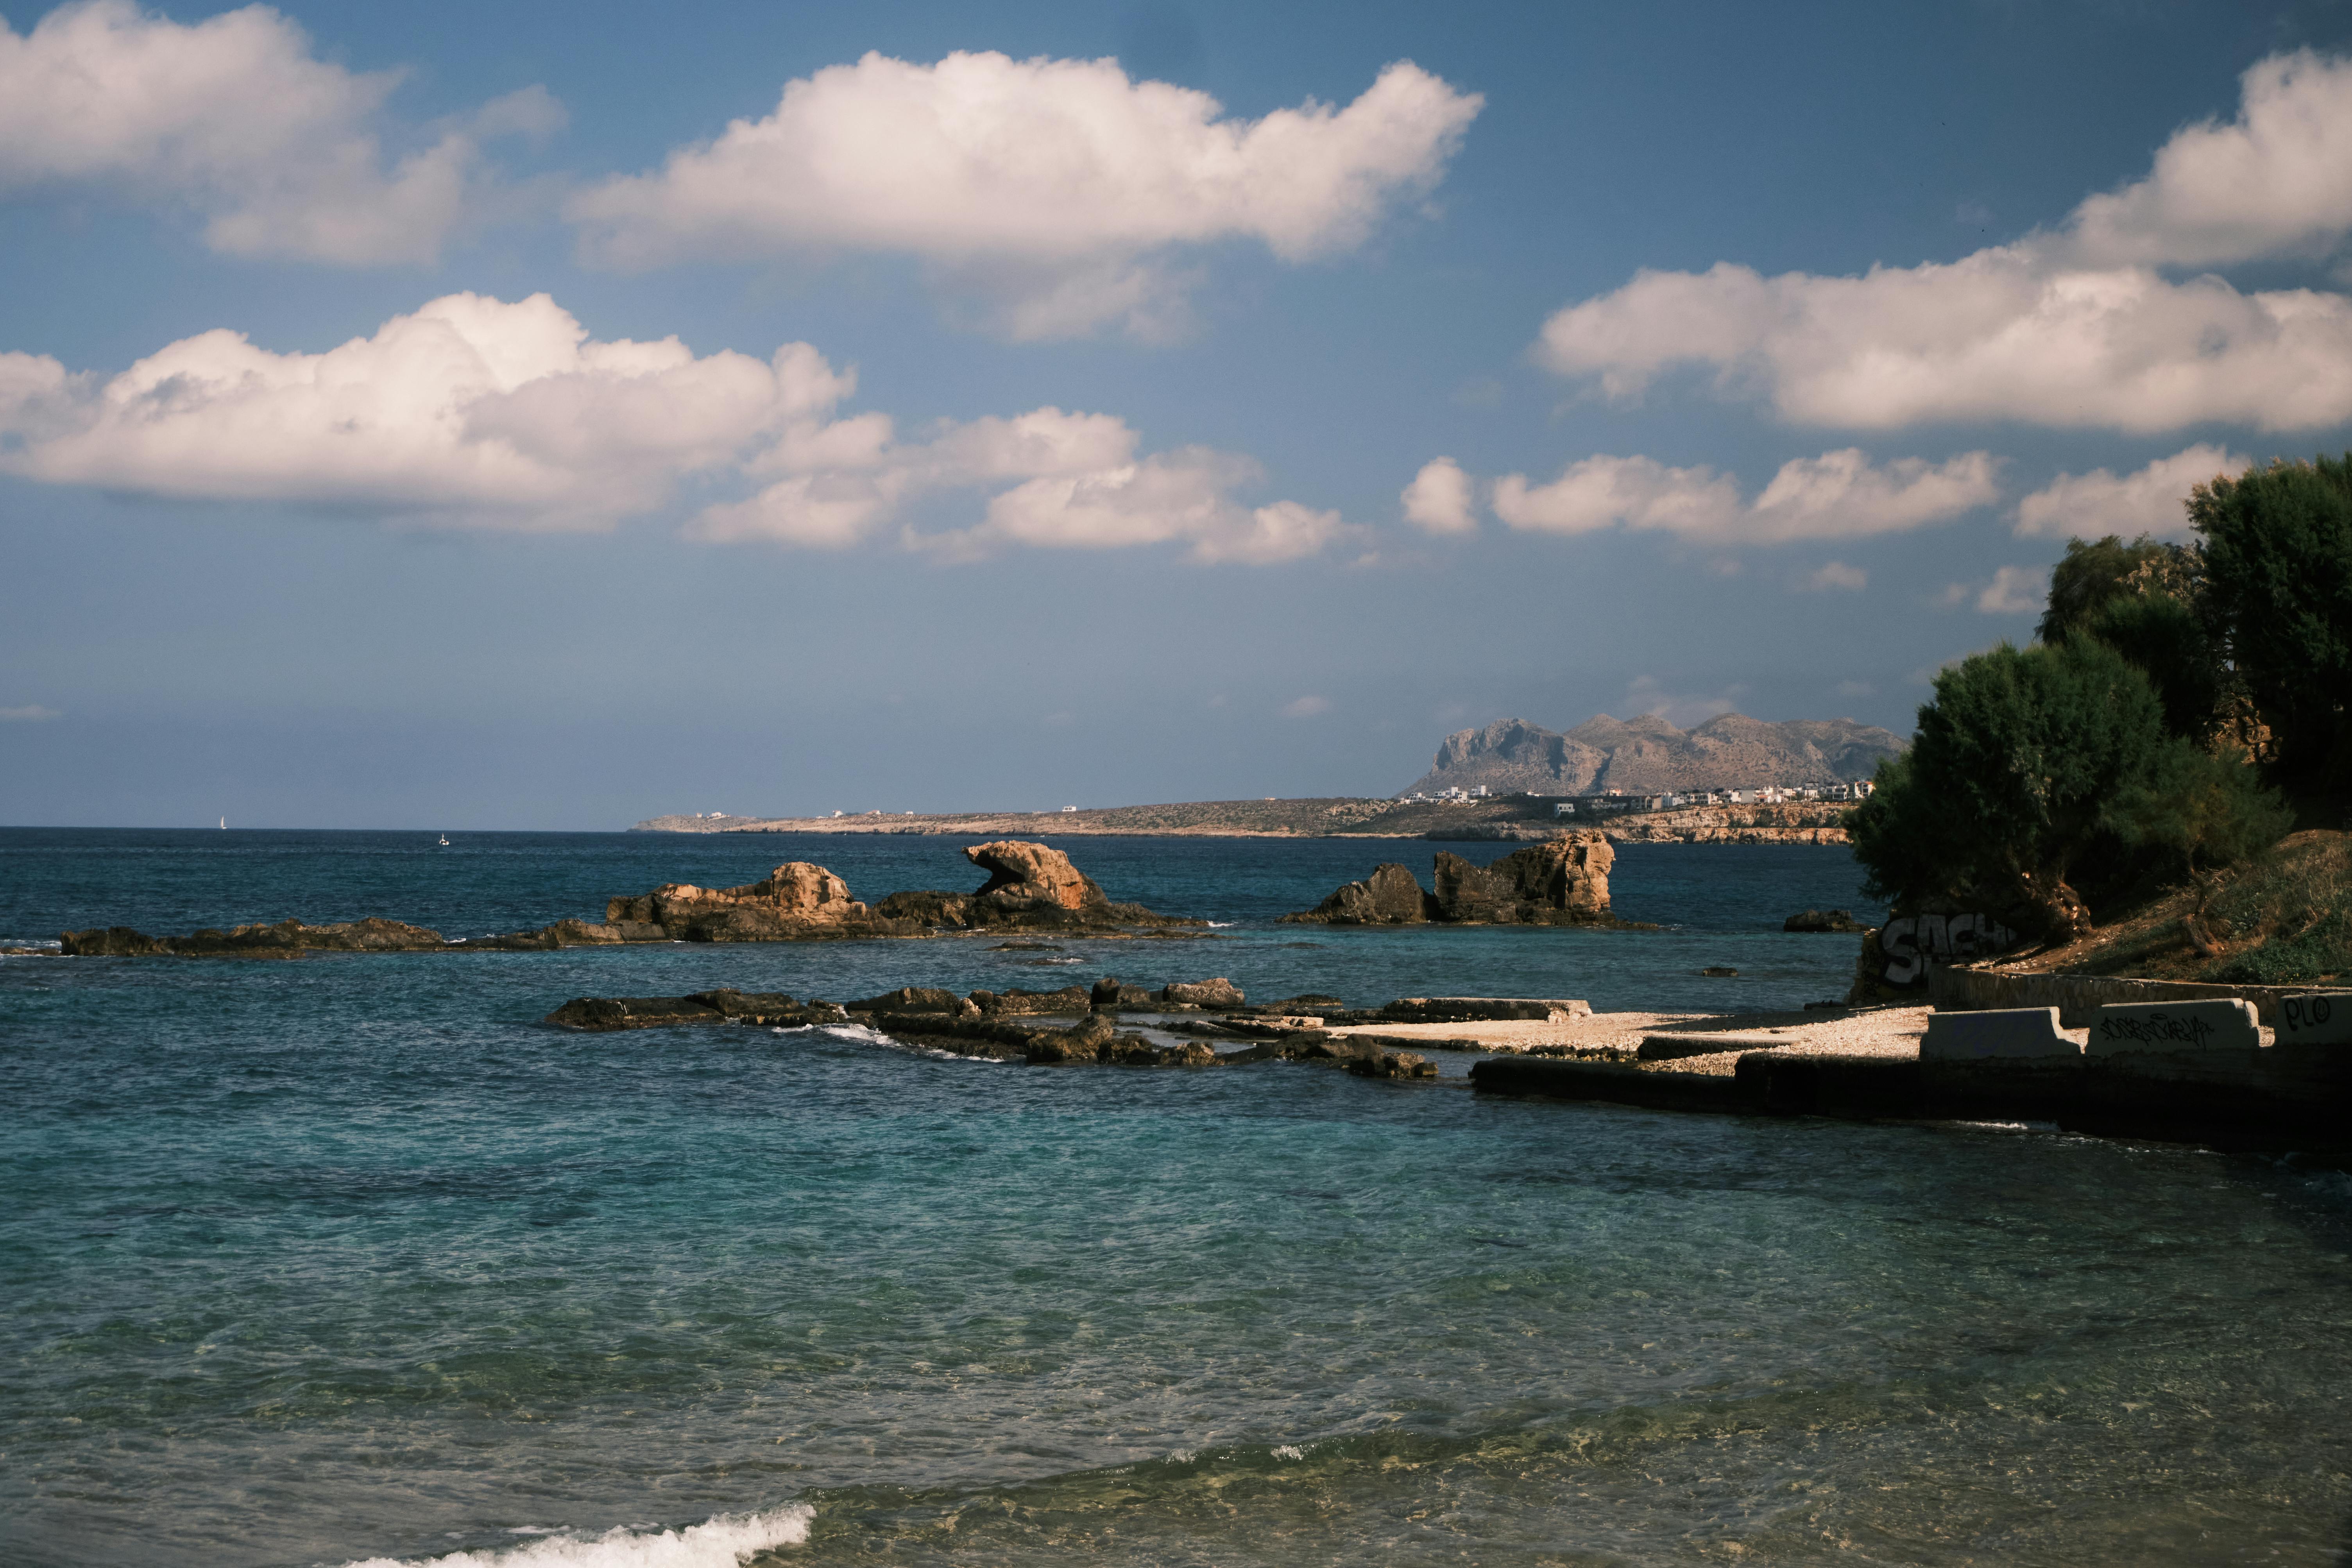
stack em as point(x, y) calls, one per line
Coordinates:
point(346, 1258)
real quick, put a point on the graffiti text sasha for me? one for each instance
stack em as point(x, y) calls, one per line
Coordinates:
point(1913, 941)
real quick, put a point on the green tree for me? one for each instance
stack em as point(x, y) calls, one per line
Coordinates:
point(2096, 572)
point(2163, 635)
point(2200, 810)
point(2277, 548)
point(2018, 760)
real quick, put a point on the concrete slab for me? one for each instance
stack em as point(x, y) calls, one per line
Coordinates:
point(2020, 1032)
point(2317, 1018)
point(2172, 1028)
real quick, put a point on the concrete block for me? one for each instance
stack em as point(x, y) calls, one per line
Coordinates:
point(2319, 1018)
point(2001, 1032)
point(2169, 1028)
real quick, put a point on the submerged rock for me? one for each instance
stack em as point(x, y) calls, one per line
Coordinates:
point(723, 1007)
point(292, 939)
point(1833, 921)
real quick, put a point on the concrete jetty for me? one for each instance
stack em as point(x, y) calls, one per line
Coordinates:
point(2201, 1070)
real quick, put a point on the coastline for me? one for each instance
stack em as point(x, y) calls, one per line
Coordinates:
point(1503, 820)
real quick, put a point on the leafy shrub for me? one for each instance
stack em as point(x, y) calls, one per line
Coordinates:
point(2009, 784)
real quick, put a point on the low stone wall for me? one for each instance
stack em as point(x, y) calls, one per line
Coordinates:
point(2079, 997)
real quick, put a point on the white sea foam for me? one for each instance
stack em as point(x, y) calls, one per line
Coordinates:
point(720, 1543)
point(1289, 1451)
point(860, 1034)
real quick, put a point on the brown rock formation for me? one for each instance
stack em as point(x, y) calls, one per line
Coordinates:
point(797, 901)
point(1560, 882)
point(1028, 885)
point(1390, 896)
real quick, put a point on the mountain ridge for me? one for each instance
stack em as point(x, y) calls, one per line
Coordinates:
point(1646, 753)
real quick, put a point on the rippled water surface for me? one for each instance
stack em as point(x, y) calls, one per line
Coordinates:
point(348, 1259)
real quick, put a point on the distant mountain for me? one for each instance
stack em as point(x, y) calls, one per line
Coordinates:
point(1645, 755)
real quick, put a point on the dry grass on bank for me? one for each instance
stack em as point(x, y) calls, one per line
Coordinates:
point(2281, 918)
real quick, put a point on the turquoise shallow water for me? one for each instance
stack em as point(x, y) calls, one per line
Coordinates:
point(346, 1259)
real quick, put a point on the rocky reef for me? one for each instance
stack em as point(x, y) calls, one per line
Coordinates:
point(1023, 1027)
point(1560, 882)
point(291, 938)
point(1029, 885)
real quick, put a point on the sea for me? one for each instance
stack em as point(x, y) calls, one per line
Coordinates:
point(351, 1259)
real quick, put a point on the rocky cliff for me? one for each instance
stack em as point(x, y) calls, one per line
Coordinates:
point(1647, 754)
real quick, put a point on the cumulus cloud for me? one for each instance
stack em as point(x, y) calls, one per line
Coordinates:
point(235, 118)
point(1838, 495)
point(1440, 499)
point(2151, 500)
point(2277, 180)
point(2014, 591)
point(1057, 189)
point(474, 411)
point(2077, 327)
point(473, 408)
point(1838, 575)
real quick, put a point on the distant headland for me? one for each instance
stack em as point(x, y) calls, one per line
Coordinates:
point(1502, 782)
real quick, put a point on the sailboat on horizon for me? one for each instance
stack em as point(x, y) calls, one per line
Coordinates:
point(224, 824)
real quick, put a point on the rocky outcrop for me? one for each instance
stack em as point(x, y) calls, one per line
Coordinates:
point(1390, 896)
point(795, 902)
point(1029, 886)
point(1560, 882)
point(1836, 921)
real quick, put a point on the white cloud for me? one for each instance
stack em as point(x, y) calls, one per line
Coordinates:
point(1838, 495)
point(235, 118)
point(471, 409)
point(1439, 499)
point(2014, 591)
point(2152, 501)
point(475, 412)
point(32, 714)
point(1305, 708)
point(1184, 496)
point(2276, 181)
point(1055, 188)
point(2074, 327)
point(1838, 575)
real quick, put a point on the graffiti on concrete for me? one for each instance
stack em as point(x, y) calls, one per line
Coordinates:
point(1913, 941)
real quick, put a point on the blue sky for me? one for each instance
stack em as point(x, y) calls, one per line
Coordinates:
point(548, 416)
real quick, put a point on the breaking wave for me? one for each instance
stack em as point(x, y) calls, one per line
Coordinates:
point(723, 1541)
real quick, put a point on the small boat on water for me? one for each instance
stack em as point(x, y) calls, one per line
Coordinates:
point(445, 841)
point(224, 824)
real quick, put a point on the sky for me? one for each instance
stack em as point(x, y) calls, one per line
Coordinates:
point(541, 416)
